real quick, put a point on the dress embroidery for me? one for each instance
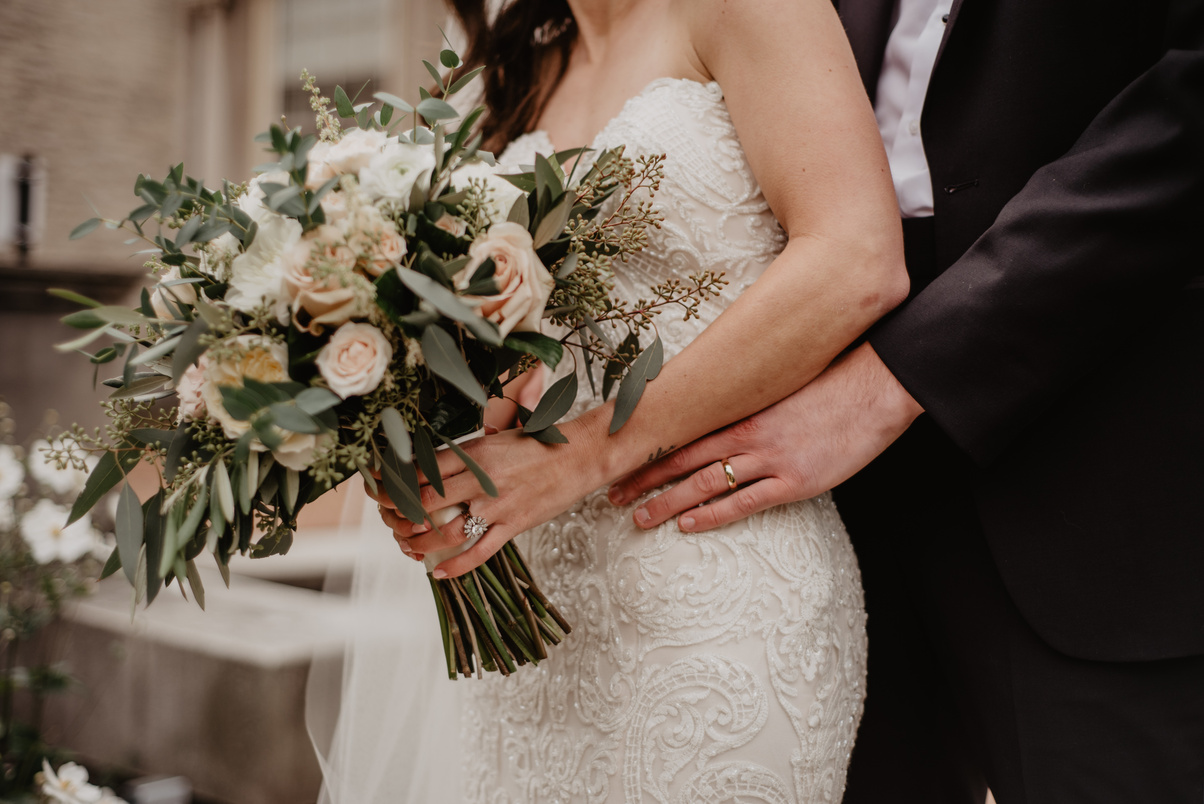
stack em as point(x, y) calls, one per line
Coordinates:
point(716, 667)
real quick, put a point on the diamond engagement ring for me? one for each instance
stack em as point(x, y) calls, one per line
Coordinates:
point(475, 527)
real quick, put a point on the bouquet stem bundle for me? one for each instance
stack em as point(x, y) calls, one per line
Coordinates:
point(508, 621)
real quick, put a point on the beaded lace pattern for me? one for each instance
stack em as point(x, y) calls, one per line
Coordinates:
point(716, 667)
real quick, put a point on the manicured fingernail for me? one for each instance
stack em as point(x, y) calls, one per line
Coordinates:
point(417, 529)
point(686, 523)
point(417, 556)
point(440, 574)
point(615, 495)
point(642, 516)
point(405, 548)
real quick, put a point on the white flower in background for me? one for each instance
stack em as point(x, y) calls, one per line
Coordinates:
point(70, 786)
point(12, 472)
point(392, 174)
point(69, 481)
point(501, 194)
point(523, 282)
point(257, 275)
point(258, 358)
point(192, 401)
point(43, 529)
point(355, 359)
point(175, 294)
point(8, 516)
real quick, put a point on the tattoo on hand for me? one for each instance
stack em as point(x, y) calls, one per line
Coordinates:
point(660, 453)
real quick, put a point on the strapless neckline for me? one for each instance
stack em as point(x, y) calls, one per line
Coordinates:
point(543, 143)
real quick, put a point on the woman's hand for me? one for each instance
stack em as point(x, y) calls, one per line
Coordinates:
point(535, 482)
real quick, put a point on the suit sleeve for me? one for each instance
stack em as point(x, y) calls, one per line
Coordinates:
point(1079, 261)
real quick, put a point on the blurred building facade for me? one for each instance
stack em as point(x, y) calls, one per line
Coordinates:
point(95, 93)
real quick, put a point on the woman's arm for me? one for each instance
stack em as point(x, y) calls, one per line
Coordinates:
point(809, 133)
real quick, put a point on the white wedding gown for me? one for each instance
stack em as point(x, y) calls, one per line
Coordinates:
point(726, 666)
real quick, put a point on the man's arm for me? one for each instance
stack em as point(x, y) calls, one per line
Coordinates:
point(1084, 255)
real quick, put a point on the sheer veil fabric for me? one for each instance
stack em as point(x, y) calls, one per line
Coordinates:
point(384, 717)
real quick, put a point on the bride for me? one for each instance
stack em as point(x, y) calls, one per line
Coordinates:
point(703, 667)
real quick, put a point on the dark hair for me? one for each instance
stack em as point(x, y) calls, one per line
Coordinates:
point(526, 52)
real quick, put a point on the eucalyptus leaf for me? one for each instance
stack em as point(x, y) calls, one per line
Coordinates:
point(401, 484)
point(194, 583)
point(487, 484)
point(555, 402)
point(548, 350)
point(463, 81)
point(433, 109)
point(129, 529)
point(447, 303)
point(112, 565)
point(108, 472)
point(549, 435)
point(444, 360)
point(397, 433)
point(552, 226)
point(72, 296)
point(85, 228)
point(223, 490)
point(428, 461)
point(342, 103)
point(291, 417)
point(394, 101)
point(645, 368)
point(190, 348)
point(145, 386)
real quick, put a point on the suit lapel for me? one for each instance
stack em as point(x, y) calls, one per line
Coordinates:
point(867, 23)
point(957, 5)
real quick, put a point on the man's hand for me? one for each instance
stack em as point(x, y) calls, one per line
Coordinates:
point(799, 448)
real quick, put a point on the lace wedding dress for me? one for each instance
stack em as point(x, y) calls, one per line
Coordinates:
point(716, 667)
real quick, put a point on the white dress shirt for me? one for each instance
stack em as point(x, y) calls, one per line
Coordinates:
point(902, 86)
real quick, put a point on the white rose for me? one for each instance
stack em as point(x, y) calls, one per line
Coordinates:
point(298, 450)
point(256, 357)
point(8, 515)
point(523, 282)
point(184, 293)
point(353, 151)
point(319, 170)
point(393, 173)
point(251, 202)
point(217, 254)
point(355, 360)
point(501, 193)
point(189, 390)
point(257, 275)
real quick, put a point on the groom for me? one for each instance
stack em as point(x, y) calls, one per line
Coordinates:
point(1025, 434)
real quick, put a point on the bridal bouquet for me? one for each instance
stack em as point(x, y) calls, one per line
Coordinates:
point(350, 310)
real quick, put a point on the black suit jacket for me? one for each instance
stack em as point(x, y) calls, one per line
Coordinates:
point(1060, 343)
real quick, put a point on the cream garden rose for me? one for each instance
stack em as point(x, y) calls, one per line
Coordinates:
point(523, 282)
point(393, 173)
point(320, 283)
point(355, 360)
point(254, 356)
point(176, 294)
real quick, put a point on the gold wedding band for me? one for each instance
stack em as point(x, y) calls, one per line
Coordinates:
point(731, 476)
